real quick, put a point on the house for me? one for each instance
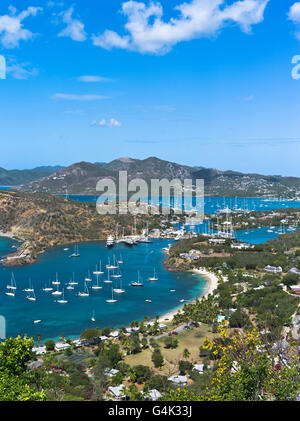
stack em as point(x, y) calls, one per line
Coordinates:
point(103, 338)
point(152, 395)
point(217, 241)
point(295, 288)
point(114, 334)
point(111, 372)
point(199, 368)
point(273, 269)
point(77, 343)
point(189, 256)
point(39, 350)
point(240, 246)
point(61, 346)
point(178, 380)
point(294, 271)
point(117, 391)
point(132, 329)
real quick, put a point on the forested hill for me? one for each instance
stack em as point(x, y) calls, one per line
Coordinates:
point(82, 177)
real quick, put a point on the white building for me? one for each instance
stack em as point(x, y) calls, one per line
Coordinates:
point(61, 346)
point(178, 380)
point(152, 395)
point(39, 349)
point(111, 372)
point(273, 269)
point(117, 391)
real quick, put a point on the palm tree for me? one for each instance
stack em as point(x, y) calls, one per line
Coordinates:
point(186, 354)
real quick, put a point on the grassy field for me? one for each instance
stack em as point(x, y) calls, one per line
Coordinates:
point(191, 339)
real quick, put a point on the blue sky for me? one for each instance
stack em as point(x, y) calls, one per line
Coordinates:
point(202, 83)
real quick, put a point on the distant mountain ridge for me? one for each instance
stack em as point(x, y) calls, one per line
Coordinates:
point(82, 177)
point(16, 177)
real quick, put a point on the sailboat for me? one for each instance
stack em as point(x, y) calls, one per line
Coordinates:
point(112, 297)
point(56, 282)
point(117, 275)
point(154, 277)
point(30, 289)
point(57, 292)
point(120, 261)
point(76, 251)
point(73, 281)
point(85, 293)
point(97, 286)
point(88, 278)
point(93, 317)
point(31, 297)
point(138, 283)
point(119, 290)
point(98, 272)
point(48, 289)
point(12, 287)
point(62, 300)
point(108, 281)
point(114, 266)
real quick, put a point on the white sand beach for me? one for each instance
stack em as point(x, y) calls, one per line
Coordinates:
point(211, 285)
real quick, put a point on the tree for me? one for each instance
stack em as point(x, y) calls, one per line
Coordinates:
point(15, 353)
point(16, 380)
point(247, 371)
point(171, 342)
point(157, 358)
point(50, 345)
point(90, 334)
point(186, 354)
point(142, 373)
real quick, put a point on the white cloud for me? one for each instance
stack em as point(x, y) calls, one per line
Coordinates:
point(294, 13)
point(149, 33)
point(106, 123)
point(74, 29)
point(91, 79)
point(294, 16)
point(75, 97)
point(12, 30)
point(20, 71)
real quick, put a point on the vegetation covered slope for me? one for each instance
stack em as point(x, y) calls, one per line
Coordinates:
point(82, 178)
point(42, 221)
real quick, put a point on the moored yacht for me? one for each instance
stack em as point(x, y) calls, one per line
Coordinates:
point(110, 242)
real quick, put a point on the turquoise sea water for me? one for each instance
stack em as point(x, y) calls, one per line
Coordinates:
point(74, 317)
point(213, 204)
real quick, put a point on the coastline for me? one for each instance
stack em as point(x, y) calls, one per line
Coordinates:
point(211, 285)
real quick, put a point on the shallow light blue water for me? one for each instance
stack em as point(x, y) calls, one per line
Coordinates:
point(74, 317)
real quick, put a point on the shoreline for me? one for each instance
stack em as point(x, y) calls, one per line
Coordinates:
point(211, 285)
